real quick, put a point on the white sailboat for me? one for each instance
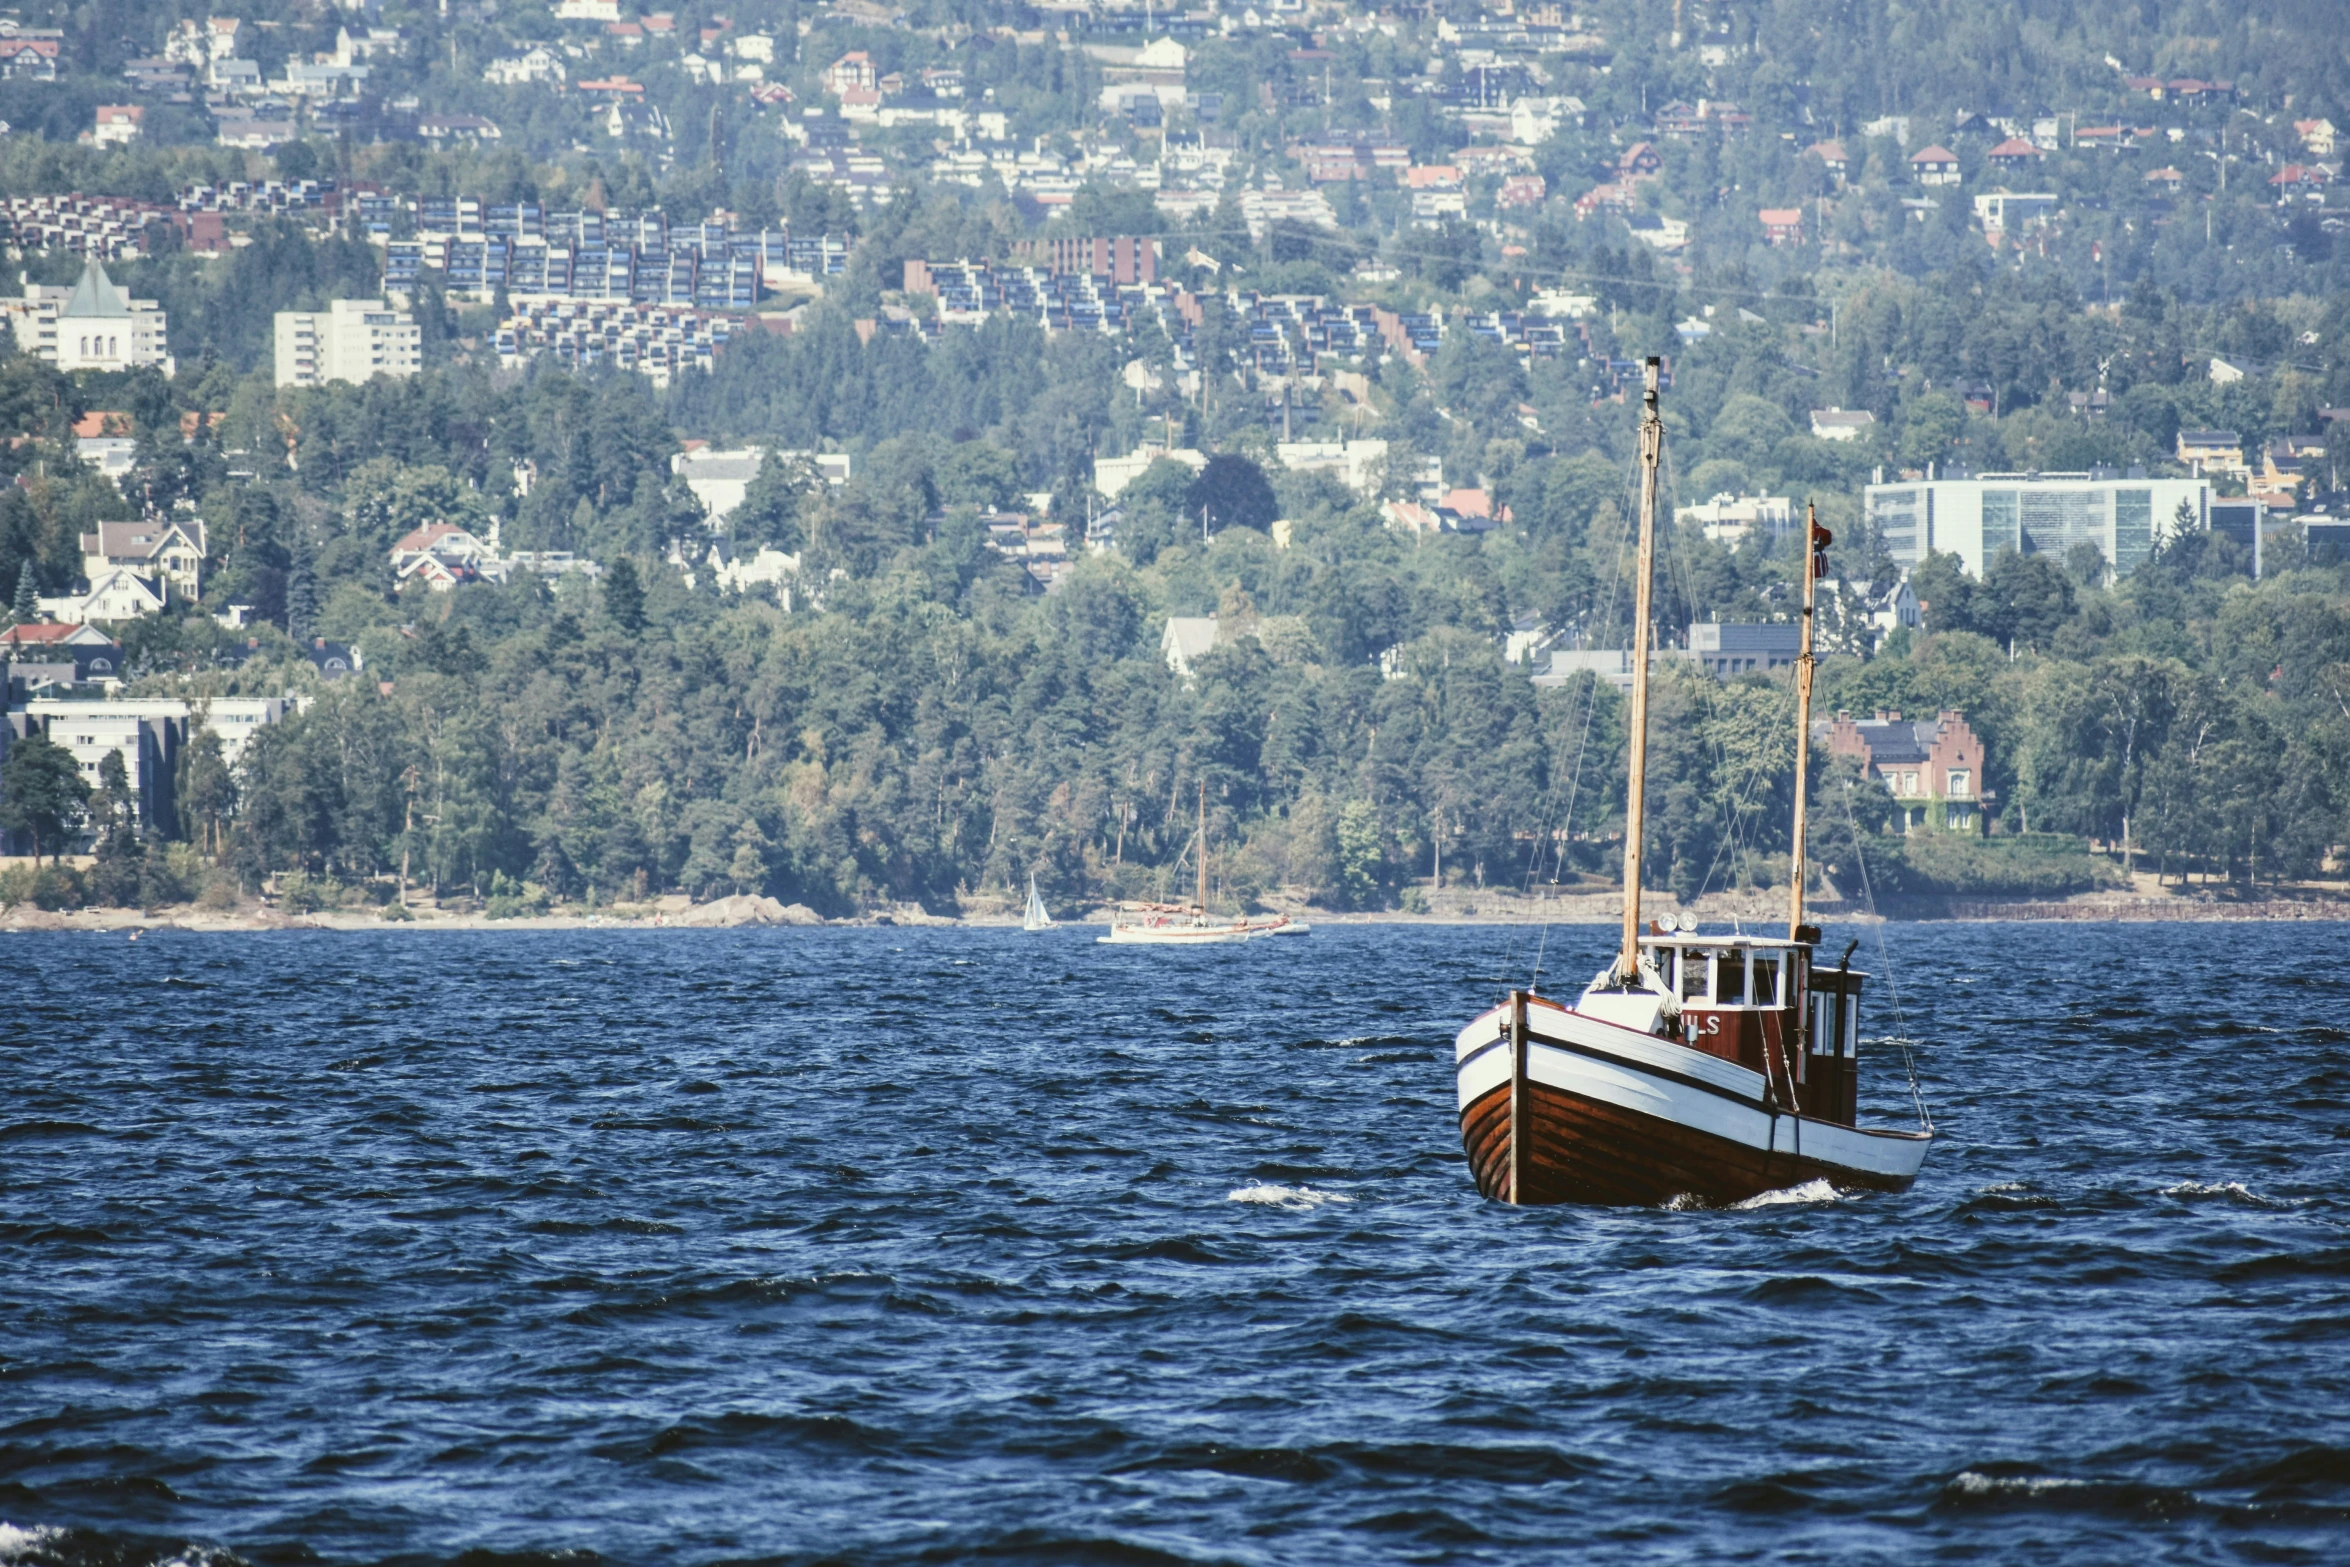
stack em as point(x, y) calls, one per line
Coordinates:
point(1189, 925)
point(1037, 918)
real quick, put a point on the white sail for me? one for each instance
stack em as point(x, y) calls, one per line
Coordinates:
point(1037, 918)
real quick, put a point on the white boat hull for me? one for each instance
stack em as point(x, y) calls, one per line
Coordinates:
point(1614, 1115)
point(1190, 935)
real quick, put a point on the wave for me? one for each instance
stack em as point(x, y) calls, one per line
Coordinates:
point(18, 1545)
point(1970, 1483)
point(2233, 1191)
point(28, 1129)
point(1817, 1190)
point(1294, 1197)
point(48, 1547)
point(1973, 1489)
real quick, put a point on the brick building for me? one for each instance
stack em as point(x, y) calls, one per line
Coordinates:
point(1933, 767)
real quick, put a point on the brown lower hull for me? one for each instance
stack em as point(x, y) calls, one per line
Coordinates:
point(1581, 1151)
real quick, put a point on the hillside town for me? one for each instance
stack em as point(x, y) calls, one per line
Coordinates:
point(359, 353)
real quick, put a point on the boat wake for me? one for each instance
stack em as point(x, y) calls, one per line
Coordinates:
point(17, 1544)
point(1298, 1197)
point(1811, 1191)
point(1817, 1190)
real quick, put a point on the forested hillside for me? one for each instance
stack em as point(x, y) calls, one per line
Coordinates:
point(914, 721)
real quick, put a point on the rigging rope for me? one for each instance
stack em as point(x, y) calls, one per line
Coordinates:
point(1740, 825)
point(1885, 956)
point(1582, 749)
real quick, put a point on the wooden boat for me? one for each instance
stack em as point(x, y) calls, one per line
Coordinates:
point(1189, 924)
point(1713, 1068)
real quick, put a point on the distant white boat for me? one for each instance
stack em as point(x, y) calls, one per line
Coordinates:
point(1037, 918)
point(1188, 925)
point(1175, 925)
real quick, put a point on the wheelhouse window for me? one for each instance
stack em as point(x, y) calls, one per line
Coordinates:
point(1765, 989)
point(1730, 978)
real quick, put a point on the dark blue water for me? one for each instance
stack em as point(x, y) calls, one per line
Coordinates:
point(888, 1246)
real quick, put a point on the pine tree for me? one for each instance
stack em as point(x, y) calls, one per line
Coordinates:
point(624, 595)
point(301, 602)
point(28, 594)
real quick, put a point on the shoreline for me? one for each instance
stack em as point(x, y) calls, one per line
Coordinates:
point(1472, 909)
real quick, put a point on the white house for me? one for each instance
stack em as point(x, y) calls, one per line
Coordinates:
point(1535, 120)
point(718, 479)
point(769, 568)
point(166, 553)
point(440, 555)
point(1112, 474)
point(1936, 165)
point(117, 595)
point(1186, 639)
point(353, 47)
point(1156, 69)
point(535, 64)
point(454, 128)
point(118, 125)
point(1852, 607)
point(112, 455)
point(1839, 424)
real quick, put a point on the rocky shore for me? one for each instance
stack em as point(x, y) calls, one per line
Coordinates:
point(1759, 909)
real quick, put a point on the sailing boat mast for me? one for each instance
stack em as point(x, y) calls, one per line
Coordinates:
point(1815, 538)
point(1652, 446)
point(1203, 848)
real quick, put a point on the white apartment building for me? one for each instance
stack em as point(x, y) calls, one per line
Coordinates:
point(236, 719)
point(1729, 518)
point(89, 730)
point(2035, 513)
point(148, 733)
point(90, 326)
point(1359, 465)
point(353, 340)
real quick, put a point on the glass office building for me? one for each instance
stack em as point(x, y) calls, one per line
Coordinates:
point(2036, 513)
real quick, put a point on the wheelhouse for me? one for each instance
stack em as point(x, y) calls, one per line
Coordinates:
point(1742, 972)
point(1764, 1004)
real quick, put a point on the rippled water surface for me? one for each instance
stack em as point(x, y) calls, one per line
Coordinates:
point(887, 1245)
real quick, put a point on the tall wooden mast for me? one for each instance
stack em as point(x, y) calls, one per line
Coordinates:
point(1652, 446)
point(1203, 848)
point(1815, 538)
